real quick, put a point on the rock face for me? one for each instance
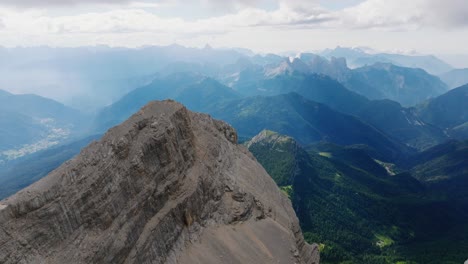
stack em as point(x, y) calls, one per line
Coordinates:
point(166, 186)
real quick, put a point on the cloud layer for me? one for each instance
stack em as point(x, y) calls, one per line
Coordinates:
point(40, 3)
point(407, 15)
point(129, 22)
point(381, 14)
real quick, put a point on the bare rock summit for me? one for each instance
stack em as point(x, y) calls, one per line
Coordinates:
point(165, 186)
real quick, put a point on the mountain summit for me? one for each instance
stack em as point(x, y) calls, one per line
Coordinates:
point(165, 186)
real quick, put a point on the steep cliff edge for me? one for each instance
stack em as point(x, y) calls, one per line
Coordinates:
point(166, 186)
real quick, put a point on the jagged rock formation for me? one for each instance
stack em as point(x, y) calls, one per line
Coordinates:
point(166, 186)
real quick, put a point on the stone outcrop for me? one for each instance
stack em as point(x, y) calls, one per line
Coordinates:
point(166, 186)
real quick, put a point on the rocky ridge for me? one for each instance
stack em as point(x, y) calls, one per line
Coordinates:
point(166, 186)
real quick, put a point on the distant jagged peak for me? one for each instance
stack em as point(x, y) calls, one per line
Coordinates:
point(289, 65)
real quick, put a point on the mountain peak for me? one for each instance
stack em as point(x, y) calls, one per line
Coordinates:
point(280, 155)
point(166, 186)
point(268, 136)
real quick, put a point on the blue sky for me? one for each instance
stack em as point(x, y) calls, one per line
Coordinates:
point(402, 26)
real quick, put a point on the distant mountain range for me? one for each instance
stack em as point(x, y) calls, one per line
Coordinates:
point(405, 125)
point(407, 86)
point(455, 78)
point(358, 57)
point(89, 78)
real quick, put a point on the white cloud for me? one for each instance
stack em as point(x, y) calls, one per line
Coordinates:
point(40, 3)
point(449, 13)
point(381, 14)
point(225, 4)
point(406, 15)
point(378, 14)
point(141, 22)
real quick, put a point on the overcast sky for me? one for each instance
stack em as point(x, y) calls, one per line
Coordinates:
point(426, 26)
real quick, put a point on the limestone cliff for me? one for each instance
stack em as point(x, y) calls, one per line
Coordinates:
point(165, 186)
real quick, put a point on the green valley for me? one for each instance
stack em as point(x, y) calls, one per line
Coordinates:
point(359, 213)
